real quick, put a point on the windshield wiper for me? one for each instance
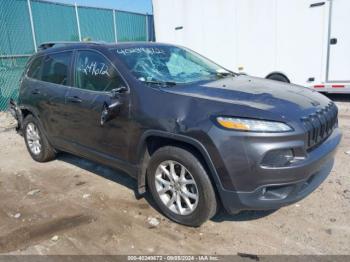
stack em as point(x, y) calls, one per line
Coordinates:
point(161, 83)
point(224, 73)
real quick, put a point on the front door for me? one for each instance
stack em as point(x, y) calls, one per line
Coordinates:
point(94, 79)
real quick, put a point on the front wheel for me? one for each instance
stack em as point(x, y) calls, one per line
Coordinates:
point(180, 186)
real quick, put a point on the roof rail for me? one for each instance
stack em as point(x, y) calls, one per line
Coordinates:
point(47, 45)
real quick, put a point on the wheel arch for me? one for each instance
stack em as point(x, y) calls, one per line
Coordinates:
point(29, 110)
point(153, 140)
point(19, 113)
point(25, 112)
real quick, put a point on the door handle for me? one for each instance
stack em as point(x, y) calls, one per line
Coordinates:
point(334, 41)
point(74, 99)
point(317, 4)
point(36, 92)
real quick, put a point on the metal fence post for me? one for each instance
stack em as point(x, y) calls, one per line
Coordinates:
point(115, 27)
point(32, 24)
point(147, 29)
point(78, 22)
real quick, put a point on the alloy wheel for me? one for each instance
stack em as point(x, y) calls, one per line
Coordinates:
point(176, 187)
point(33, 139)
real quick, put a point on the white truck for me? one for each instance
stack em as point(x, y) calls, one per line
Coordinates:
point(301, 41)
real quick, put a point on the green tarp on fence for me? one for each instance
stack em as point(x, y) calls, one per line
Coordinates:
point(10, 72)
point(131, 27)
point(96, 24)
point(15, 29)
point(54, 22)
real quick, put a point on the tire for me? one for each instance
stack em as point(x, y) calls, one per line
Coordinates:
point(278, 77)
point(45, 152)
point(197, 210)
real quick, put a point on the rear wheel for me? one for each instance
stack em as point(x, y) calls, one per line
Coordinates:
point(278, 77)
point(37, 144)
point(180, 186)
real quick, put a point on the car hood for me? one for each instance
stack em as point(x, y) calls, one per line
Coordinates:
point(255, 95)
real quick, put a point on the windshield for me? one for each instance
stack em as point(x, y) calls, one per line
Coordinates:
point(168, 64)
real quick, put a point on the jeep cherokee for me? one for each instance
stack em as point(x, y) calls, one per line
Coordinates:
point(190, 131)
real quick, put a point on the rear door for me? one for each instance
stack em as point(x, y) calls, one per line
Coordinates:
point(339, 45)
point(47, 82)
point(57, 80)
point(95, 76)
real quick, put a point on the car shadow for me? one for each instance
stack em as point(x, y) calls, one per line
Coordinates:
point(339, 97)
point(222, 215)
point(124, 179)
point(106, 172)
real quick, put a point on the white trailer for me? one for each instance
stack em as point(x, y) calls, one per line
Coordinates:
point(302, 41)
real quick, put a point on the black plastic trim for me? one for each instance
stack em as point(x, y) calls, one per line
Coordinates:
point(317, 4)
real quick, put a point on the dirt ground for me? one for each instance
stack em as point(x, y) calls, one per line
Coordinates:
point(74, 206)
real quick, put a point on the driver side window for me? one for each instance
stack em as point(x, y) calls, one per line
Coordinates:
point(94, 72)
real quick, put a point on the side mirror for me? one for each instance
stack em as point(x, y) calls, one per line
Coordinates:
point(109, 112)
point(119, 90)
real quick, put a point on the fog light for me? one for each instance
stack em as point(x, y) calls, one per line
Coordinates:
point(278, 158)
point(276, 192)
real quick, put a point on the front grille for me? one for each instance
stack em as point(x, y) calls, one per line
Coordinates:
point(320, 125)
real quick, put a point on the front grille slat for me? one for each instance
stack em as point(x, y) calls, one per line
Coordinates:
point(319, 125)
point(328, 120)
point(321, 115)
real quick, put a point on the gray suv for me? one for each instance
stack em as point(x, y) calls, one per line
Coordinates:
point(191, 132)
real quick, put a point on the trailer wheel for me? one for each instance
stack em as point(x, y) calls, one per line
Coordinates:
point(278, 77)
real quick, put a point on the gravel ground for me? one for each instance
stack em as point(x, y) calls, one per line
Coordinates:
point(74, 206)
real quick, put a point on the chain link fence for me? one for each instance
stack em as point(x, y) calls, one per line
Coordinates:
point(24, 24)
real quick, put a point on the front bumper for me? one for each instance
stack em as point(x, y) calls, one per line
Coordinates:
point(276, 187)
point(275, 196)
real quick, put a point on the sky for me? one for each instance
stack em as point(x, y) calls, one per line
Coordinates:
point(139, 6)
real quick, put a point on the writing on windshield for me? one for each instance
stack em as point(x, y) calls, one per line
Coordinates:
point(167, 64)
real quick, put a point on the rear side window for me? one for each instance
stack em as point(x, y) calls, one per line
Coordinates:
point(94, 72)
point(34, 68)
point(56, 68)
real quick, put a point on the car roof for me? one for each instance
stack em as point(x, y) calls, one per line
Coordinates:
point(49, 47)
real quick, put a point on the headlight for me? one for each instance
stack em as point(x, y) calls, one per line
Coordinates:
point(254, 125)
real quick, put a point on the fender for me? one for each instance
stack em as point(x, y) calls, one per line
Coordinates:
point(143, 156)
point(36, 114)
point(16, 111)
point(34, 111)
